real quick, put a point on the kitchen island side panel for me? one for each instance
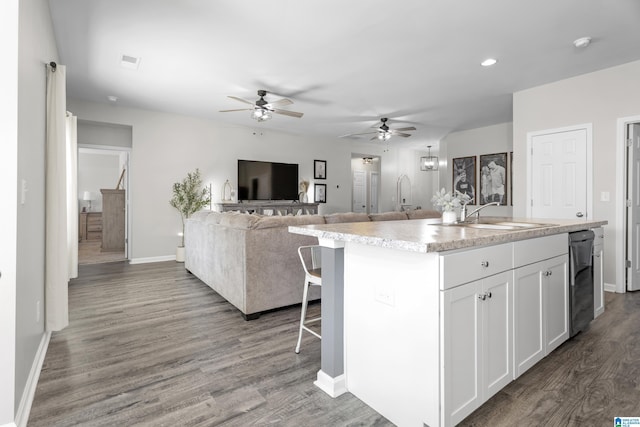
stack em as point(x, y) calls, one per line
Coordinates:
point(392, 332)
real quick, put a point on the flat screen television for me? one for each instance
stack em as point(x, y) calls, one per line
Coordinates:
point(267, 180)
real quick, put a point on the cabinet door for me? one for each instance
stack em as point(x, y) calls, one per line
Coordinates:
point(555, 276)
point(528, 317)
point(461, 332)
point(497, 317)
point(598, 280)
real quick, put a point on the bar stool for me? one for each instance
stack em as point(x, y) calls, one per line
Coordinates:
point(313, 277)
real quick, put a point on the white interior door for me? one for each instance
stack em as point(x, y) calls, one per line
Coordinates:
point(359, 191)
point(633, 208)
point(373, 190)
point(559, 175)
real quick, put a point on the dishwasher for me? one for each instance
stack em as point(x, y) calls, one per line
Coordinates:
point(580, 280)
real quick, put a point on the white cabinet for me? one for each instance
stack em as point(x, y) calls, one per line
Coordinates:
point(598, 274)
point(541, 310)
point(477, 359)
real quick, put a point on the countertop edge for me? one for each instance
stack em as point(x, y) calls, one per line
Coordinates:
point(483, 238)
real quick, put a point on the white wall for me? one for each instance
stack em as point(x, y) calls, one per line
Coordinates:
point(27, 43)
point(104, 134)
point(8, 214)
point(476, 142)
point(167, 146)
point(599, 98)
point(97, 171)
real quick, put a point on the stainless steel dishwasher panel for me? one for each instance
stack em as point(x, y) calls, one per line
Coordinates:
point(580, 279)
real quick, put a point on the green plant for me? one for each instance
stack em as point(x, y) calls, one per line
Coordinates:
point(189, 197)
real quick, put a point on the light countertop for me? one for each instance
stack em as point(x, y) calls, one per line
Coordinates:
point(430, 235)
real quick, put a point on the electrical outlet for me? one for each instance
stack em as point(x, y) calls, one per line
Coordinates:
point(23, 192)
point(385, 294)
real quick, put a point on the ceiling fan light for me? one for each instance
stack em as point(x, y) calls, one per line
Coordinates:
point(261, 115)
point(384, 135)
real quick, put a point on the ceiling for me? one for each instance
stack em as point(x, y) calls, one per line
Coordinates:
point(345, 64)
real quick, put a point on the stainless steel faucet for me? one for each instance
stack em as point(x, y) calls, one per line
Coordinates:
point(463, 211)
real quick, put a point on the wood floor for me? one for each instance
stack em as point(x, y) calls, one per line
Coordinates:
point(150, 345)
point(90, 252)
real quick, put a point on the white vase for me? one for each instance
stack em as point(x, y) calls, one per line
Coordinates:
point(449, 217)
point(180, 254)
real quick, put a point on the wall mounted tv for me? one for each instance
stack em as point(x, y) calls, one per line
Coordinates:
point(267, 180)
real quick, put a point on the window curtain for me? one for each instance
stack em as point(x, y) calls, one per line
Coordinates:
point(60, 181)
point(71, 129)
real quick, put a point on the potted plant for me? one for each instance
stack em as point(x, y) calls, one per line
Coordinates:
point(447, 203)
point(188, 198)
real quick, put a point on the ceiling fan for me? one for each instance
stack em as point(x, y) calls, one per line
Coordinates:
point(384, 132)
point(262, 109)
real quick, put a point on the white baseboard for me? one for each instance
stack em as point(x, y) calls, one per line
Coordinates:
point(29, 392)
point(152, 259)
point(8, 425)
point(334, 387)
point(609, 287)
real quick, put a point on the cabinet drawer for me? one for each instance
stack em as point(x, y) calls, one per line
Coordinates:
point(468, 265)
point(94, 227)
point(527, 252)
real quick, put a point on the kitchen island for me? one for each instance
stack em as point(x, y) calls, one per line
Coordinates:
point(424, 322)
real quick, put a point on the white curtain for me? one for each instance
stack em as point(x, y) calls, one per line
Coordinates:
point(72, 193)
point(57, 271)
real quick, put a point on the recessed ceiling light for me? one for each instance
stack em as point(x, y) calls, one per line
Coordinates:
point(131, 62)
point(489, 62)
point(112, 98)
point(582, 42)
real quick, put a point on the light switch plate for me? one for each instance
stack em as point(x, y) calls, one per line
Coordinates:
point(604, 196)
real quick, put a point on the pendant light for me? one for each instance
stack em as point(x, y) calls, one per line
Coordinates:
point(429, 162)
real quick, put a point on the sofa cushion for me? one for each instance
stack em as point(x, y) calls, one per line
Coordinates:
point(423, 213)
point(201, 215)
point(239, 220)
point(214, 218)
point(337, 218)
point(388, 216)
point(286, 221)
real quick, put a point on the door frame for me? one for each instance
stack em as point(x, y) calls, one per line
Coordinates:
point(621, 231)
point(588, 127)
point(117, 150)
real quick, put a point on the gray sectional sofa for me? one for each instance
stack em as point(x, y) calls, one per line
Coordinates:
point(252, 260)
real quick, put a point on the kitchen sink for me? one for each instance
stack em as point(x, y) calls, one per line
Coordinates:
point(498, 225)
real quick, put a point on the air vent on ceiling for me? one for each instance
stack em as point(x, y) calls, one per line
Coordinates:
point(131, 62)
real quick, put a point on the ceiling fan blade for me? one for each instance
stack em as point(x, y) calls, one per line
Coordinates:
point(374, 138)
point(404, 135)
point(280, 102)
point(356, 134)
point(241, 109)
point(241, 100)
point(288, 113)
point(405, 129)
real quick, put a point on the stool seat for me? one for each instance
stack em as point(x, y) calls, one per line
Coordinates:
point(310, 259)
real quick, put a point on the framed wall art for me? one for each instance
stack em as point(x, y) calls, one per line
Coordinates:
point(493, 178)
point(319, 169)
point(464, 177)
point(320, 193)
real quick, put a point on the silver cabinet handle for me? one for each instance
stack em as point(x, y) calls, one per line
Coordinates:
point(488, 294)
point(482, 297)
point(579, 214)
point(485, 264)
